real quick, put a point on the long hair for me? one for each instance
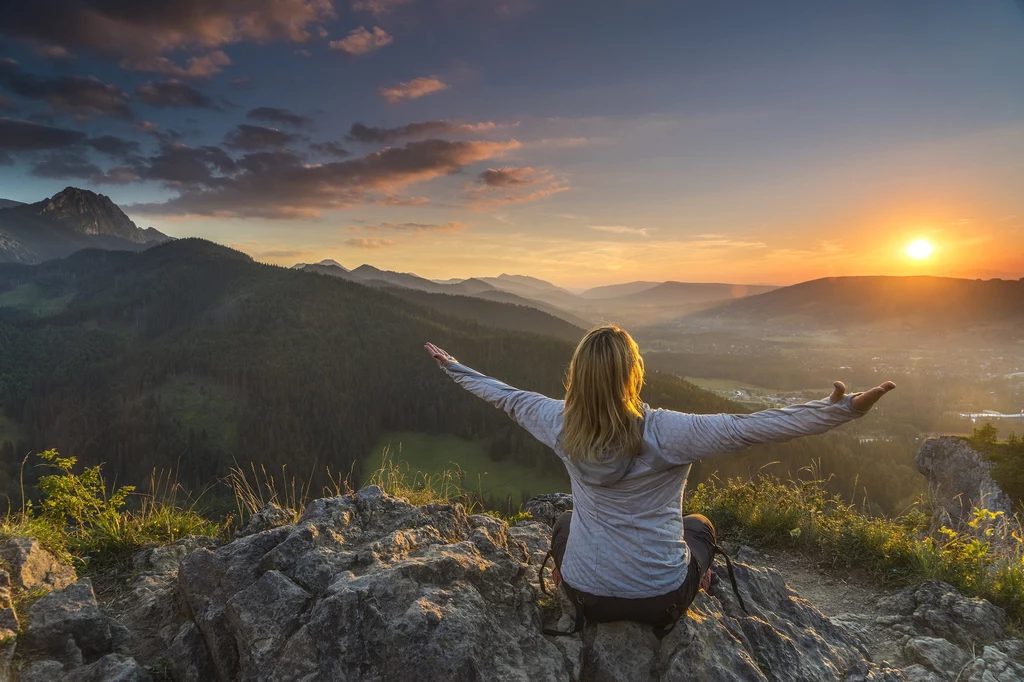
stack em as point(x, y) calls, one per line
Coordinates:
point(602, 397)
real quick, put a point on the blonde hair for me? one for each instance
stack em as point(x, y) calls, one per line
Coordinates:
point(602, 397)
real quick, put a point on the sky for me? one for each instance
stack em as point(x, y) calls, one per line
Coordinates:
point(585, 142)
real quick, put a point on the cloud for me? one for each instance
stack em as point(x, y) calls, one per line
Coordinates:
point(8, 105)
point(377, 7)
point(363, 133)
point(514, 185)
point(202, 66)
point(251, 138)
point(413, 228)
point(414, 89)
point(621, 229)
point(330, 149)
point(280, 184)
point(120, 30)
point(360, 41)
point(24, 136)
point(114, 146)
point(173, 93)
point(367, 243)
point(80, 96)
point(177, 165)
point(509, 177)
point(279, 116)
point(66, 164)
point(240, 83)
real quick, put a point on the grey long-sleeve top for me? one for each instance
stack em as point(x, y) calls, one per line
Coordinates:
point(626, 538)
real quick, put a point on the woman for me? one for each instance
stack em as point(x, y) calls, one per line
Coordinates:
point(626, 552)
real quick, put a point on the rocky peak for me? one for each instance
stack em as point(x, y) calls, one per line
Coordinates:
point(90, 213)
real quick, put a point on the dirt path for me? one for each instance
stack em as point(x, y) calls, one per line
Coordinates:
point(832, 591)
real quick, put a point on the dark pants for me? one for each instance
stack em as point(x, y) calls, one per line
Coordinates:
point(661, 611)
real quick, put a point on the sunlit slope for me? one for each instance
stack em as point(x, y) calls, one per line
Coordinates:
point(909, 303)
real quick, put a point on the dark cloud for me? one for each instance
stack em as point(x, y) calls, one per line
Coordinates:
point(371, 134)
point(280, 184)
point(279, 116)
point(329, 149)
point(114, 146)
point(25, 136)
point(251, 138)
point(180, 166)
point(509, 177)
point(133, 29)
point(202, 66)
point(173, 93)
point(66, 164)
point(514, 185)
point(81, 96)
point(240, 83)
point(8, 105)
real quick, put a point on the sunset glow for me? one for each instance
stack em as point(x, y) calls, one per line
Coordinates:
point(681, 141)
point(919, 249)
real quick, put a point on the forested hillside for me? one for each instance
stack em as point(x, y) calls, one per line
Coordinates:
point(191, 355)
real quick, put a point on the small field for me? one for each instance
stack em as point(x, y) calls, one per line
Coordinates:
point(433, 455)
point(30, 297)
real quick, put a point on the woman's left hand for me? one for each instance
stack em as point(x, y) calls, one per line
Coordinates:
point(442, 356)
point(862, 401)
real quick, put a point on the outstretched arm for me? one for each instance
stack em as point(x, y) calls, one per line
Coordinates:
point(689, 437)
point(536, 413)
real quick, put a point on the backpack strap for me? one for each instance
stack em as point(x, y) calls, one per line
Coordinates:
point(732, 577)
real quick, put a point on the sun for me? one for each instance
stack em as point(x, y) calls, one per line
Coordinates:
point(919, 249)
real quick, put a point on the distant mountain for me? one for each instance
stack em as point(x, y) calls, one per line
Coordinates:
point(904, 303)
point(371, 276)
point(69, 221)
point(7, 203)
point(616, 290)
point(683, 293)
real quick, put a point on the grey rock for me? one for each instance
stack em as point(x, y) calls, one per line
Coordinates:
point(937, 609)
point(188, 657)
point(68, 625)
point(547, 508)
point(938, 655)
point(271, 516)
point(110, 668)
point(264, 615)
point(959, 479)
point(8, 618)
point(619, 652)
point(31, 567)
point(42, 671)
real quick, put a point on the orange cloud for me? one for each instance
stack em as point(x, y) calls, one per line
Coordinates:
point(514, 185)
point(365, 243)
point(361, 41)
point(414, 89)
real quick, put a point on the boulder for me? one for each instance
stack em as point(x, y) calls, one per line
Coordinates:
point(32, 568)
point(547, 508)
point(959, 480)
point(271, 516)
point(69, 626)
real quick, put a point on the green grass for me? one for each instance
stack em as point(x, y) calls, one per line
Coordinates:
point(984, 558)
point(30, 298)
point(434, 455)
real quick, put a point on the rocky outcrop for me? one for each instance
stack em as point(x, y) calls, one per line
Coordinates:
point(90, 213)
point(31, 567)
point(368, 587)
point(959, 480)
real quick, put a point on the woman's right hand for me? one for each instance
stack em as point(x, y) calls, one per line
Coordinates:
point(441, 356)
